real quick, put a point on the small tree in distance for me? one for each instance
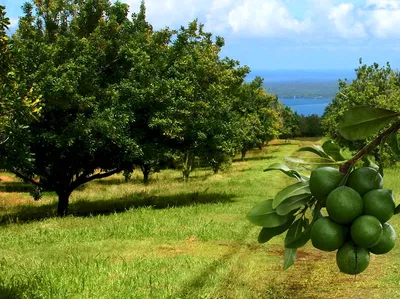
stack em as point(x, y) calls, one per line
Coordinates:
point(259, 116)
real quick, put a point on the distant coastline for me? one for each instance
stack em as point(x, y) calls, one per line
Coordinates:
point(302, 75)
point(305, 91)
point(292, 84)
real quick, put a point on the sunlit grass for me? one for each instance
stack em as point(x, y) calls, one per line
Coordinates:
point(172, 240)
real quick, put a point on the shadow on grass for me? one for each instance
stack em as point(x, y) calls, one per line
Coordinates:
point(109, 182)
point(281, 144)
point(199, 176)
point(193, 287)
point(15, 187)
point(256, 158)
point(10, 293)
point(86, 208)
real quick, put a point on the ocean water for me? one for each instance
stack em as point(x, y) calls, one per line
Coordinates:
point(302, 75)
point(307, 106)
point(305, 91)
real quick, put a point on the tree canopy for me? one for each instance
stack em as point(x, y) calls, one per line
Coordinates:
point(376, 86)
point(115, 94)
point(72, 54)
point(19, 101)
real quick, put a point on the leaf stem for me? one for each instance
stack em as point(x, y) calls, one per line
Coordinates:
point(344, 168)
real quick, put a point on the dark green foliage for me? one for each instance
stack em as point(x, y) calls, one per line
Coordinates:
point(291, 123)
point(295, 125)
point(144, 87)
point(117, 95)
point(75, 60)
point(267, 233)
point(200, 87)
point(310, 126)
point(18, 101)
point(264, 215)
point(361, 122)
point(286, 170)
point(290, 257)
point(298, 234)
point(259, 116)
point(300, 188)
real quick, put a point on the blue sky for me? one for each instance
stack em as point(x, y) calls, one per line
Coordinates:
point(285, 34)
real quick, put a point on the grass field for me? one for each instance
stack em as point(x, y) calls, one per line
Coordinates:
point(171, 240)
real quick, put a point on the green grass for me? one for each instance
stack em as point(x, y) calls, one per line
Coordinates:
point(171, 240)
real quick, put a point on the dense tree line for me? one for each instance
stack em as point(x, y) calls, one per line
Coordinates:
point(97, 93)
point(296, 125)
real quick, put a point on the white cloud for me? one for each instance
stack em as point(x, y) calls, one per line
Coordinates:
point(249, 17)
point(217, 16)
point(265, 18)
point(320, 19)
point(383, 4)
point(13, 23)
point(345, 19)
point(384, 23)
point(171, 13)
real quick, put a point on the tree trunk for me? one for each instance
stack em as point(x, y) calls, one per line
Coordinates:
point(64, 191)
point(244, 151)
point(187, 165)
point(63, 199)
point(146, 168)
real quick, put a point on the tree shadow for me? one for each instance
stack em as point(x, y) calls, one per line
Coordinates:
point(281, 144)
point(194, 285)
point(12, 291)
point(199, 176)
point(109, 182)
point(255, 158)
point(104, 207)
point(86, 208)
point(15, 187)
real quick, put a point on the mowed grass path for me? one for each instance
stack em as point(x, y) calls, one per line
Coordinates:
point(171, 240)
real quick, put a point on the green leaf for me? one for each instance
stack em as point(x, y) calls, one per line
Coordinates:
point(397, 211)
point(368, 162)
point(393, 142)
point(316, 212)
point(262, 214)
point(292, 190)
point(290, 257)
point(364, 121)
point(267, 233)
point(333, 150)
point(299, 233)
point(311, 161)
point(314, 150)
point(292, 203)
point(286, 170)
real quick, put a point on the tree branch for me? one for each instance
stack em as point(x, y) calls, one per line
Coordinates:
point(344, 168)
point(28, 179)
point(4, 141)
point(83, 179)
